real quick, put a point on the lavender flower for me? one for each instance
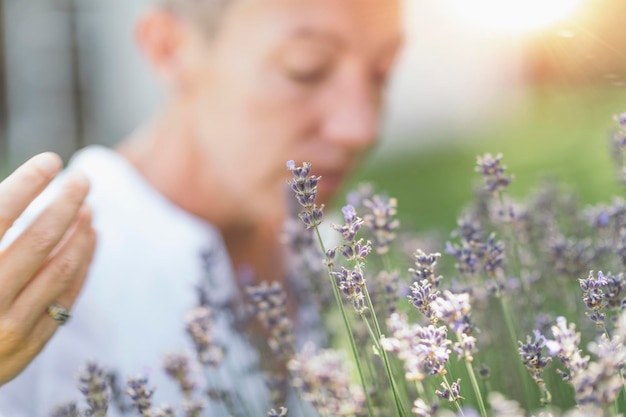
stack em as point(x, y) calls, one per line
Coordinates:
point(282, 412)
point(594, 297)
point(66, 410)
point(452, 393)
point(323, 380)
point(468, 229)
point(503, 407)
point(566, 347)
point(140, 394)
point(352, 225)
point(453, 309)
point(423, 350)
point(390, 281)
point(177, 366)
point(199, 325)
point(600, 383)
point(466, 347)
point(533, 358)
point(492, 171)
point(304, 186)
point(421, 409)
point(352, 283)
point(425, 267)
point(269, 306)
point(467, 261)
point(194, 407)
point(94, 386)
point(363, 191)
point(163, 411)
point(422, 296)
point(381, 221)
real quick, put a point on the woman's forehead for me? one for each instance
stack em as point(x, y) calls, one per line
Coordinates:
point(370, 20)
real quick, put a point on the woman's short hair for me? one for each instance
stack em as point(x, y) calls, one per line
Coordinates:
point(206, 14)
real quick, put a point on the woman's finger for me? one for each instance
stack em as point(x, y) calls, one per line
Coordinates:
point(22, 348)
point(23, 258)
point(20, 188)
point(61, 273)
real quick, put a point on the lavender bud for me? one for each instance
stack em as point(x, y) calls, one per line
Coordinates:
point(93, 384)
point(140, 394)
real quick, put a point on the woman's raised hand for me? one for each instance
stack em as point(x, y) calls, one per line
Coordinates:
point(43, 269)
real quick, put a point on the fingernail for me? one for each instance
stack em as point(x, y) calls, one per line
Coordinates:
point(77, 176)
point(48, 162)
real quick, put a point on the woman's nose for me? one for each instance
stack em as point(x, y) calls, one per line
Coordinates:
point(352, 112)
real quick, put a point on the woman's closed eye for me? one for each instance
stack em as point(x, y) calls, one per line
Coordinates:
point(306, 63)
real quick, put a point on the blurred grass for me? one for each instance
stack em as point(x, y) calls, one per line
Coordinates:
point(561, 133)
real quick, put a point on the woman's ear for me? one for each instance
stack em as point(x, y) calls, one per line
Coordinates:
point(160, 36)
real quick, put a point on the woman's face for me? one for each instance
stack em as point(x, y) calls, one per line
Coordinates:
point(289, 79)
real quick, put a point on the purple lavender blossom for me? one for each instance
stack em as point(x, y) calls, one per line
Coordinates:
point(269, 306)
point(177, 366)
point(423, 350)
point(467, 261)
point(566, 347)
point(352, 283)
point(94, 386)
point(468, 229)
point(594, 297)
point(363, 191)
point(492, 171)
point(533, 357)
point(422, 409)
point(390, 282)
point(352, 225)
point(304, 186)
point(503, 407)
point(381, 222)
point(66, 410)
point(453, 309)
point(164, 411)
point(140, 394)
point(466, 347)
point(194, 407)
point(322, 378)
point(425, 267)
point(282, 412)
point(422, 296)
point(199, 327)
point(451, 394)
point(599, 384)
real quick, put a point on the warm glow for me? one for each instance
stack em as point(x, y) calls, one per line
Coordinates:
point(514, 16)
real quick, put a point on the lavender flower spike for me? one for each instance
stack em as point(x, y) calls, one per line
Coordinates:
point(282, 412)
point(492, 171)
point(381, 221)
point(305, 188)
point(66, 410)
point(140, 394)
point(94, 386)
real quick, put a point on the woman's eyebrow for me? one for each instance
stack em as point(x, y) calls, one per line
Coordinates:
point(317, 35)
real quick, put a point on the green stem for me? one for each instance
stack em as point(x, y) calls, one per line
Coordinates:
point(346, 323)
point(382, 352)
point(474, 381)
point(383, 355)
point(523, 373)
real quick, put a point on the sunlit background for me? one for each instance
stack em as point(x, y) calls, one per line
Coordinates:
point(538, 80)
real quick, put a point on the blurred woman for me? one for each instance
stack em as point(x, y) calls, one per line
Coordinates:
point(198, 193)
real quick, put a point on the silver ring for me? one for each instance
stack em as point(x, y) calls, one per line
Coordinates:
point(59, 313)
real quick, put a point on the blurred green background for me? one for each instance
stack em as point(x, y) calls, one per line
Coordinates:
point(562, 133)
